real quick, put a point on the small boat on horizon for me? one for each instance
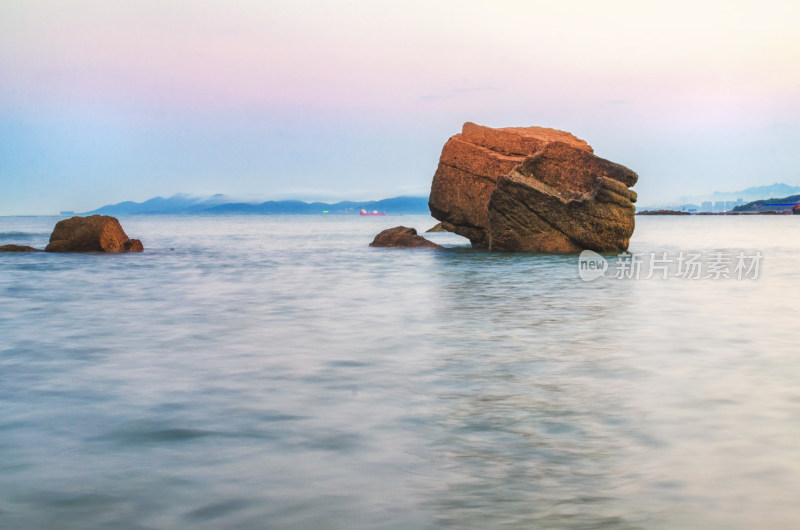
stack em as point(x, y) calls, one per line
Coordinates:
point(373, 212)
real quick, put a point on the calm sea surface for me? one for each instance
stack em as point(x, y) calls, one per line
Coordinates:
point(276, 372)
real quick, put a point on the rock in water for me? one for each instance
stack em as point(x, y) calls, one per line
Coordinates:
point(18, 248)
point(401, 236)
point(96, 233)
point(532, 189)
point(470, 164)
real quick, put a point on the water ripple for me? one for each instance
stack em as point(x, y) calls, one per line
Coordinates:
point(246, 372)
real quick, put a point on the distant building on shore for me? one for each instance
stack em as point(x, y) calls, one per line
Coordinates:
point(719, 206)
point(730, 205)
point(705, 206)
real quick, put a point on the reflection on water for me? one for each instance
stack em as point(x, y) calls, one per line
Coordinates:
point(251, 372)
point(533, 425)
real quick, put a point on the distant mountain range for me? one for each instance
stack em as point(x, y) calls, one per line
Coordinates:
point(183, 204)
point(756, 193)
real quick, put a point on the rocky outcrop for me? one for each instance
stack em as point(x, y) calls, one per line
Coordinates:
point(796, 209)
point(18, 248)
point(401, 236)
point(96, 233)
point(532, 189)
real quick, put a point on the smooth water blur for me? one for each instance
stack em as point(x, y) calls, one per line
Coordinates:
point(276, 372)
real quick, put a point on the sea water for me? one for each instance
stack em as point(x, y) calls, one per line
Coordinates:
point(277, 372)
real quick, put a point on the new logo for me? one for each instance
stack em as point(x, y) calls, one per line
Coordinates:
point(591, 265)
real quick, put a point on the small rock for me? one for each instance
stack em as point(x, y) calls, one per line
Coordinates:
point(401, 236)
point(18, 248)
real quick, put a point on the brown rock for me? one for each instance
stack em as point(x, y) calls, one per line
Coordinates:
point(528, 215)
point(401, 236)
point(518, 141)
point(532, 189)
point(439, 227)
point(572, 170)
point(96, 233)
point(462, 185)
point(134, 245)
point(17, 248)
point(796, 209)
point(469, 167)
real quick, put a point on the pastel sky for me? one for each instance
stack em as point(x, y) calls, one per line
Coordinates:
point(102, 102)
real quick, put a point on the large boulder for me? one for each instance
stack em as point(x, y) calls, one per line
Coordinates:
point(401, 236)
point(470, 164)
point(532, 189)
point(96, 233)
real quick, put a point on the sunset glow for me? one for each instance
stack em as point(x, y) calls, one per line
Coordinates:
point(106, 102)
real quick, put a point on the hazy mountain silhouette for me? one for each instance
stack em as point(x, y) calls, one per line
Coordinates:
point(755, 193)
point(778, 189)
point(183, 204)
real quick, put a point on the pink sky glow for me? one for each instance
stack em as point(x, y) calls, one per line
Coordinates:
point(619, 74)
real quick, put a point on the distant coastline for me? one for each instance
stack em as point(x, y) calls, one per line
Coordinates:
point(185, 204)
point(732, 212)
point(775, 206)
point(770, 206)
point(182, 204)
point(727, 201)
